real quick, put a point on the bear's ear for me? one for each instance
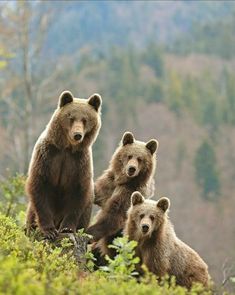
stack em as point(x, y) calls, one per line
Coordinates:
point(152, 146)
point(136, 198)
point(65, 97)
point(163, 203)
point(95, 101)
point(127, 138)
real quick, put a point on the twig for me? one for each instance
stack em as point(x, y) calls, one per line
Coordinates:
point(227, 272)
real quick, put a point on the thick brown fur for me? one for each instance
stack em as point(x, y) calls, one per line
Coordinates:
point(115, 175)
point(158, 246)
point(60, 178)
point(119, 184)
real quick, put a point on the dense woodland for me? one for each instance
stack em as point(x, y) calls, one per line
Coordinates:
point(164, 70)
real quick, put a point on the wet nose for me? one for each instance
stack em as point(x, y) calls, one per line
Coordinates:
point(145, 228)
point(131, 170)
point(77, 136)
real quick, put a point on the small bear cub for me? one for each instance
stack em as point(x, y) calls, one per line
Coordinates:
point(158, 246)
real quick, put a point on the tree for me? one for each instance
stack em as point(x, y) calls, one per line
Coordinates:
point(26, 77)
point(153, 56)
point(207, 175)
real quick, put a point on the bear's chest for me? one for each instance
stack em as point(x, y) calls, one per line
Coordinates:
point(155, 258)
point(68, 169)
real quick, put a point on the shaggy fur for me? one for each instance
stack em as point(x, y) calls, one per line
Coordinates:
point(129, 153)
point(59, 184)
point(158, 246)
point(132, 167)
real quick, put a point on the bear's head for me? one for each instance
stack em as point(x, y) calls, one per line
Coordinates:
point(79, 119)
point(147, 216)
point(133, 159)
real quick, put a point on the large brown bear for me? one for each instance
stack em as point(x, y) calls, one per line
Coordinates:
point(132, 167)
point(60, 180)
point(158, 246)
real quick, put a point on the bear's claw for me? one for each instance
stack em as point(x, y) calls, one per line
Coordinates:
point(66, 230)
point(51, 234)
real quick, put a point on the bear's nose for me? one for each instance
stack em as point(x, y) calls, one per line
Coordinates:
point(145, 228)
point(77, 136)
point(131, 170)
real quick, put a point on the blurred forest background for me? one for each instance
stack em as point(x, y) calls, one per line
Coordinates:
point(165, 70)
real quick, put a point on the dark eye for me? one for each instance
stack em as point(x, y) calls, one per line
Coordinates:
point(139, 160)
point(71, 118)
point(129, 157)
point(84, 121)
point(141, 216)
point(151, 217)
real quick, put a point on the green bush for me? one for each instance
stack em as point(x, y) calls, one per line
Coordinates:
point(123, 265)
point(35, 267)
point(207, 175)
point(12, 195)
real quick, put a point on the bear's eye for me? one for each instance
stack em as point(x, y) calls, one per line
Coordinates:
point(129, 157)
point(84, 121)
point(141, 216)
point(139, 160)
point(151, 217)
point(71, 119)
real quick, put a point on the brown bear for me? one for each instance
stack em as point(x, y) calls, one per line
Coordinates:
point(60, 178)
point(158, 246)
point(132, 167)
point(115, 175)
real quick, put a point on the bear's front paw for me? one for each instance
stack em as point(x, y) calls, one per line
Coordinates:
point(50, 234)
point(92, 232)
point(66, 230)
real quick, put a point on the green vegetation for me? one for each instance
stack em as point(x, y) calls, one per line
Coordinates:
point(210, 38)
point(33, 267)
point(123, 265)
point(29, 266)
point(12, 195)
point(206, 171)
point(136, 76)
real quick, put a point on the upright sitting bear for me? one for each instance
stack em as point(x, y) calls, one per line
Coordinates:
point(60, 180)
point(131, 168)
point(126, 166)
point(158, 246)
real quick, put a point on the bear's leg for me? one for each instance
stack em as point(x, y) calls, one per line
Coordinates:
point(107, 225)
point(103, 244)
point(77, 209)
point(30, 219)
point(85, 217)
point(100, 259)
point(73, 212)
point(45, 215)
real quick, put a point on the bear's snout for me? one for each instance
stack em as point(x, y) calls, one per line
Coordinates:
point(145, 228)
point(131, 170)
point(77, 136)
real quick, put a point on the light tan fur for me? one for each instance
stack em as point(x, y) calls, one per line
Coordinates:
point(120, 182)
point(159, 248)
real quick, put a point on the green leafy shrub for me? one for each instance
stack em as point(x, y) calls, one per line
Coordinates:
point(123, 264)
point(35, 267)
point(12, 195)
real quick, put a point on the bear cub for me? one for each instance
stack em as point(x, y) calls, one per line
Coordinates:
point(158, 246)
point(127, 166)
point(60, 178)
point(131, 168)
